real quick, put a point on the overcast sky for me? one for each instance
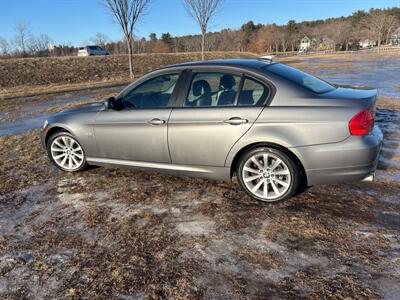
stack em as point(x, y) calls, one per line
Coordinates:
point(76, 21)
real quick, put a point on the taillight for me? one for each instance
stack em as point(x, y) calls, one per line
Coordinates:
point(362, 123)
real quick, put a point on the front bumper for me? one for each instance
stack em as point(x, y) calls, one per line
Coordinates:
point(354, 159)
point(43, 134)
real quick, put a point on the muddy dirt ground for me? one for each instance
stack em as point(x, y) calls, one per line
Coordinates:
point(123, 234)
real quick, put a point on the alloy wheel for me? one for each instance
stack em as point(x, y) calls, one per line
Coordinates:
point(67, 153)
point(266, 176)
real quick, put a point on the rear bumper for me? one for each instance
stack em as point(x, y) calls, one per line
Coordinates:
point(354, 159)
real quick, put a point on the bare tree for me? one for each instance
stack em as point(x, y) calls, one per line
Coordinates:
point(22, 34)
point(202, 11)
point(39, 45)
point(100, 39)
point(379, 23)
point(4, 46)
point(391, 24)
point(127, 13)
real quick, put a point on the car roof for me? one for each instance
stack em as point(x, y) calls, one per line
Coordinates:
point(241, 63)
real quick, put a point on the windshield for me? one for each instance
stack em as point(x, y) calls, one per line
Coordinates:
point(301, 78)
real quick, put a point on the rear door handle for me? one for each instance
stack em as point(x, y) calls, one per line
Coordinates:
point(236, 121)
point(156, 121)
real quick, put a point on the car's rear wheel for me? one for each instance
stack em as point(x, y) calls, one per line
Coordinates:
point(268, 174)
point(66, 152)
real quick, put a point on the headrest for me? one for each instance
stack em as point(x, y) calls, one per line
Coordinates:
point(227, 82)
point(201, 87)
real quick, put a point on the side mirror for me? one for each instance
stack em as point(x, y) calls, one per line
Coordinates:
point(112, 103)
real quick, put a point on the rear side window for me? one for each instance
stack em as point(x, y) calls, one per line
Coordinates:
point(213, 89)
point(300, 78)
point(252, 93)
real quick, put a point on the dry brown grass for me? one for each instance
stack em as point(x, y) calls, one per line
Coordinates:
point(389, 103)
point(109, 233)
point(33, 72)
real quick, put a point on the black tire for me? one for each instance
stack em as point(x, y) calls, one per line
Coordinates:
point(291, 166)
point(56, 135)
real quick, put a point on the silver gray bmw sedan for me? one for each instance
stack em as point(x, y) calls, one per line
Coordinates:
point(277, 128)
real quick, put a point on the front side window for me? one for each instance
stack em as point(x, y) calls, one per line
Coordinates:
point(252, 93)
point(153, 93)
point(301, 78)
point(213, 89)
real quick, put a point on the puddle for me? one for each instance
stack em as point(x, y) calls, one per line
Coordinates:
point(42, 106)
point(32, 115)
point(35, 118)
point(22, 125)
point(388, 218)
point(389, 122)
point(364, 73)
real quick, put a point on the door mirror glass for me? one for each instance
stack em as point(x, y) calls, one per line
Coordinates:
point(113, 103)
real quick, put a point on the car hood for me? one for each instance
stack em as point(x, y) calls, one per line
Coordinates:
point(85, 108)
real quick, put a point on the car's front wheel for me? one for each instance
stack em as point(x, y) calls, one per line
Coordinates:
point(268, 174)
point(66, 152)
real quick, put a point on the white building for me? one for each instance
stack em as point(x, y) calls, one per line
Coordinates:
point(395, 38)
point(305, 43)
point(366, 44)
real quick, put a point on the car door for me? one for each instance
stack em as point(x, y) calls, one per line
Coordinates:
point(217, 110)
point(138, 130)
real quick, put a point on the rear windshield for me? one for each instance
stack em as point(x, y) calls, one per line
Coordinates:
point(301, 78)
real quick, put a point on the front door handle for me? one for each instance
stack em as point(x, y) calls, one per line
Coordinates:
point(156, 122)
point(236, 121)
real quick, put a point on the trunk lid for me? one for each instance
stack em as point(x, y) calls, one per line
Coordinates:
point(366, 96)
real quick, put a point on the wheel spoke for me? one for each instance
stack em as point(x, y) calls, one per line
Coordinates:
point(256, 162)
point(282, 172)
point(64, 141)
point(78, 155)
point(251, 170)
point(275, 188)
point(251, 178)
point(59, 156)
point(58, 144)
point(265, 190)
point(63, 161)
point(75, 161)
point(282, 183)
point(257, 186)
point(56, 149)
point(276, 164)
point(265, 159)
